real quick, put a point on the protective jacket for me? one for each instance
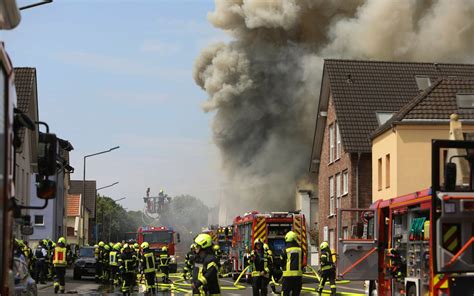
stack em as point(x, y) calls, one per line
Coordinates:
point(205, 275)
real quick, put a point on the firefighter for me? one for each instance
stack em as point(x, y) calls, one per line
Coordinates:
point(148, 267)
point(189, 261)
point(271, 267)
point(40, 256)
point(105, 264)
point(164, 261)
point(218, 254)
point(292, 260)
point(98, 265)
point(205, 274)
point(60, 263)
point(246, 257)
point(136, 247)
point(128, 265)
point(50, 248)
point(114, 256)
point(327, 268)
point(260, 269)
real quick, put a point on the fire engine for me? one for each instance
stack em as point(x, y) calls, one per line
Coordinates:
point(159, 237)
point(420, 243)
point(11, 120)
point(269, 227)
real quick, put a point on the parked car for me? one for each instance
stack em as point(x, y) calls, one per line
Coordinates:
point(85, 263)
point(25, 285)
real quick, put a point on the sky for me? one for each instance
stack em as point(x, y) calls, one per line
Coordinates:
point(119, 73)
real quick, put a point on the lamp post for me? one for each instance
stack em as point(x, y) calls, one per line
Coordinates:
point(96, 225)
point(84, 187)
point(110, 215)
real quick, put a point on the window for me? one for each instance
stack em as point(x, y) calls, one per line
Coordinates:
point(331, 143)
point(39, 220)
point(379, 179)
point(345, 232)
point(331, 196)
point(465, 101)
point(332, 239)
point(383, 117)
point(338, 190)
point(387, 171)
point(423, 82)
point(70, 231)
point(345, 182)
point(338, 142)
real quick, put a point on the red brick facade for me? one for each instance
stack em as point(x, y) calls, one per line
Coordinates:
point(346, 162)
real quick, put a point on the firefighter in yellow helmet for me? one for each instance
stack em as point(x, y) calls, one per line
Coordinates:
point(128, 264)
point(260, 268)
point(205, 273)
point(292, 260)
point(114, 256)
point(327, 268)
point(98, 264)
point(60, 263)
point(189, 261)
point(164, 262)
point(148, 267)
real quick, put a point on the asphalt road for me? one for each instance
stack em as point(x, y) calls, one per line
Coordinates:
point(87, 286)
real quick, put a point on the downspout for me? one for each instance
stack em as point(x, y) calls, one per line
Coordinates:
point(357, 181)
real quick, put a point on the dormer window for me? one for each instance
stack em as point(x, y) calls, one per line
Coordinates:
point(423, 82)
point(465, 100)
point(383, 117)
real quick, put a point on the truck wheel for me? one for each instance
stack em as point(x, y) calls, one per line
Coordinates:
point(411, 290)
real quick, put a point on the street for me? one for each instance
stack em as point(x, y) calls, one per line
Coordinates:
point(87, 286)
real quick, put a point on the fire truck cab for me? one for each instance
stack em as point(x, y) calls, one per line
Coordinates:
point(159, 237)
point(421, 243)
point(269, 227)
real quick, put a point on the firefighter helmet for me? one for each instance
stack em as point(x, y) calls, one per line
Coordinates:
point(324, 245)
point(126, 246)
point(265, 247)
point(61, 240)
point(117, 247)
point(258, 241)
point(290, 237)
point(136, 246)
point(107, 247)
point(101, 244)
point(216, 248)
point(164, 249)
point(145, 245)
point(203, 240)
point(193, 246)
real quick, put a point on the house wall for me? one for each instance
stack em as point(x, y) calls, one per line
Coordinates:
point(410, 144)
point(71, 222)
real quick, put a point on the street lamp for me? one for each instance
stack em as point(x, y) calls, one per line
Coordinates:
point(100, 188)
point(84, 188)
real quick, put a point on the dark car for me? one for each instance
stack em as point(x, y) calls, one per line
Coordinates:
point(85, 263)
point(24, 283)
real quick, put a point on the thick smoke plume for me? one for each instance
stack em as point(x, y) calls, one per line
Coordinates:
point(264, 85)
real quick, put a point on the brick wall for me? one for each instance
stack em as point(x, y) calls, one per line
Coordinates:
point(347, 162)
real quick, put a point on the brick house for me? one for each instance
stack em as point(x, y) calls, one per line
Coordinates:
point(356, 98)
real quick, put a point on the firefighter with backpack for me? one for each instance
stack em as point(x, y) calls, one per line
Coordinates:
point(148, 266)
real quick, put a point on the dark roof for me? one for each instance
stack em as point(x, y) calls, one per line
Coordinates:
point(436, 103)
point(25, 83)
point(90, 194)
point(376, 86)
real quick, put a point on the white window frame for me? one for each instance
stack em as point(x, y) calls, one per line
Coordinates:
point(331, 143)
point(34, 220)
point(338, 142)
point(345, 182)
point(332, 210)
point(338, 190)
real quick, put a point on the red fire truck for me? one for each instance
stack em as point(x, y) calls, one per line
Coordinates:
point(271, 228)
point(420, 243)
point(159, 237)
point(10, 120)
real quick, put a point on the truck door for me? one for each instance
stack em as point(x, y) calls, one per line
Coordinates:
point(357, 244)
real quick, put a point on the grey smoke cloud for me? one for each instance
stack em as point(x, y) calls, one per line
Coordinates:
point(264, 85)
